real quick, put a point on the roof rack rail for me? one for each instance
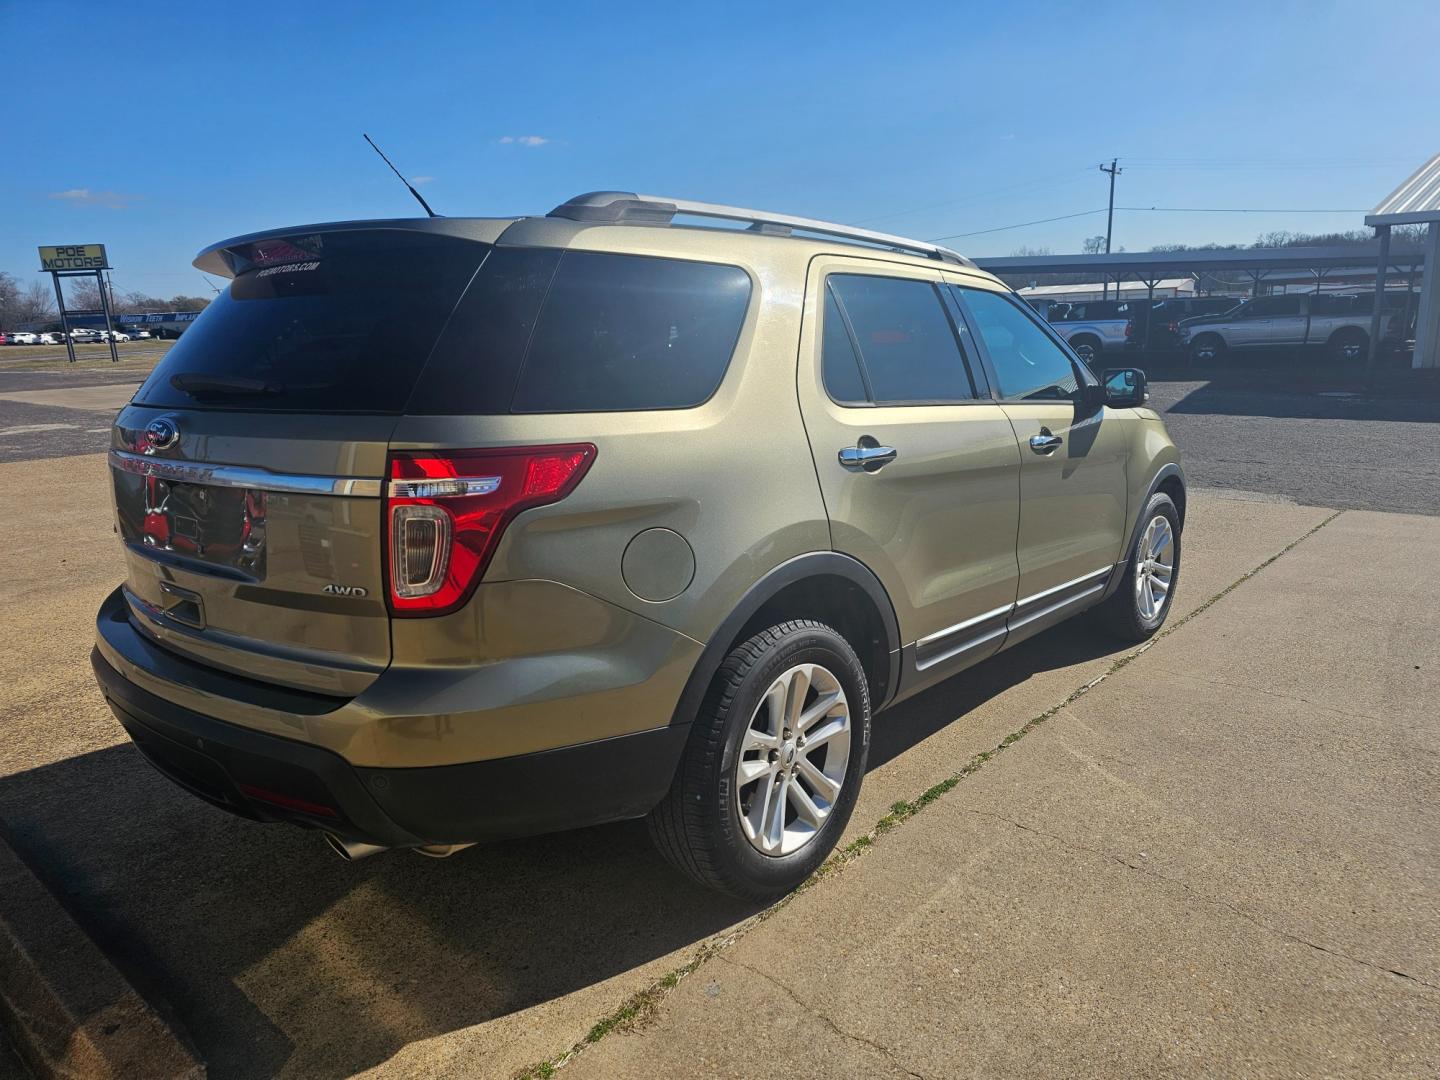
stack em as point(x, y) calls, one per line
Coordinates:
point(628, 208)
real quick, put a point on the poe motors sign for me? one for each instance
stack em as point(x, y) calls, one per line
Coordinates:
point(72, 261)
point(73, 257)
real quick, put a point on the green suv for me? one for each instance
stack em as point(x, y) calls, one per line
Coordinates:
point(445, 530)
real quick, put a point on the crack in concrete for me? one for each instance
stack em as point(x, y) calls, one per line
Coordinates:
point(811, 1010)
point(1281, 695)
point(1202, 897)
point(711, 949)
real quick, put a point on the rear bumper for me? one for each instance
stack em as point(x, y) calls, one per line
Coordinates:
point(269, 778)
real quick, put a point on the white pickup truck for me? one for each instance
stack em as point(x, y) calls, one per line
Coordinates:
point(1338, 323)
point(1093, 327)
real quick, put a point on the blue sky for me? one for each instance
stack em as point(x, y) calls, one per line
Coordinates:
point(170, 126)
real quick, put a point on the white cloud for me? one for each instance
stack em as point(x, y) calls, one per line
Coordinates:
point(525, 140)
point(85, 197)
point(421, 181)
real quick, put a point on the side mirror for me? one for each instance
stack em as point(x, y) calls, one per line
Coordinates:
point(1124, 388)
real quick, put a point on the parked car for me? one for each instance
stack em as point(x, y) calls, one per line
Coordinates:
point(139, 335)
point(114, 335)
point(49, 339)
point(1164, 317)
point(663, 553)
point(20, 337)
point(1338, 324)
point(84, 335)
point(1093, 327)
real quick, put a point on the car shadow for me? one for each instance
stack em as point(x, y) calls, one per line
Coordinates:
point(276, 955)
point(1292, 386)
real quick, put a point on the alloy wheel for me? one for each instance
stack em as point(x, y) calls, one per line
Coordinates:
point(1154, 567)
point(792, 760)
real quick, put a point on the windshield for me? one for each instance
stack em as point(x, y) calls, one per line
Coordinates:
point(342, 325)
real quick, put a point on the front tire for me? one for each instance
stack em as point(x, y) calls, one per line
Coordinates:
point(773, 766)
point(1139, 605)
point(1207, 348)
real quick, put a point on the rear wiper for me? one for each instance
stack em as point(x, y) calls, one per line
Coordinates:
point(225, 384)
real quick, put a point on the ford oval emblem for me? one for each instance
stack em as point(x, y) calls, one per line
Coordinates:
point(160, 434)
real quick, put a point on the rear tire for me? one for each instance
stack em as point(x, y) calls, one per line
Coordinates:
point(734, 769)
point(1139, 605)
point(1087, 347)
point(1348, 346)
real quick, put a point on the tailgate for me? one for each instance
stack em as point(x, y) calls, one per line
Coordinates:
point(258, 555)
point(247, 471)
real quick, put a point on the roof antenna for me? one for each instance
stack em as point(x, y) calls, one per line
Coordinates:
point(418, 197)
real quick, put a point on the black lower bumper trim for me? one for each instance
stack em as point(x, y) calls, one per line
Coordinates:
point(225, 764)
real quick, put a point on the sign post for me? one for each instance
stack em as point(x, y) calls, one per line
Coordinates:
point(79, 260)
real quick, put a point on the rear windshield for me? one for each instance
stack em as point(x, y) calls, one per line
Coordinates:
point(334, 322)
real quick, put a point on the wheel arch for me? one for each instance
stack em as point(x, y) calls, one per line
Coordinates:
point(1169, 479)
point(1346, 332)
point(823, 585)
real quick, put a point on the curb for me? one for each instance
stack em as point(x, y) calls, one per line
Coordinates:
point(67, 1009)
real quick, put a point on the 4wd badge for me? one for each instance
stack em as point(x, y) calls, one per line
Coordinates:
point(346, 590)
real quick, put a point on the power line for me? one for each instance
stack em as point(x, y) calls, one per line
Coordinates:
point(1229, 210)
point(1019, 225)
point(1143, 209)
point(1054, 180)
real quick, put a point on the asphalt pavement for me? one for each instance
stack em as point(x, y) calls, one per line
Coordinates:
point(1240, 431)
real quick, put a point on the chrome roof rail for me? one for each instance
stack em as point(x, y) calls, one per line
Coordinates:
point(628, 208)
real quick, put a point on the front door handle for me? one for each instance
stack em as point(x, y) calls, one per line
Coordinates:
point(1045, 443)
point(869, 455)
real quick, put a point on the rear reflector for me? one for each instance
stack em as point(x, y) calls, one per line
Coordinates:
point(447, 510)
point(289, 802)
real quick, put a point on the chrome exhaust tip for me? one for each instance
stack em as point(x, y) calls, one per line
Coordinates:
point(352, 850)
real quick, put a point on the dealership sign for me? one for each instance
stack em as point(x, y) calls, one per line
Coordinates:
point(73, 257)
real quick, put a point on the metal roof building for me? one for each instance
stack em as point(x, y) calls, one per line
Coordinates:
point(1417, 202)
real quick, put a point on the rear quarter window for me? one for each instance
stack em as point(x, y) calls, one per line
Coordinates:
point(544, 331)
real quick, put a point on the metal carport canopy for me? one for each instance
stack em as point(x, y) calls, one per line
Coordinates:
point(1417, 202)
point(1150, 265)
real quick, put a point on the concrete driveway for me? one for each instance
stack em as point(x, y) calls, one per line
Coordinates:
point(956, 942)
point(1224, 859)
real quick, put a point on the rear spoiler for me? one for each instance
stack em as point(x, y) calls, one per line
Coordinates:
point(234, 256)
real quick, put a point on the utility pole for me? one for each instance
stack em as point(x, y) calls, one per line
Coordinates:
point(1114, 171)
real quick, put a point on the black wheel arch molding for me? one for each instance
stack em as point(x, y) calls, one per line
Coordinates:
point(794, 571)
point(1166, 472)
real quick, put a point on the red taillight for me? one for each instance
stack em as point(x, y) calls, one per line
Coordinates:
point(1173, 327)
point(1130, 328)
point(445, 512)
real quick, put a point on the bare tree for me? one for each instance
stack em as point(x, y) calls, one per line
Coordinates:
point(23, 304)
point(83, 294)
point(1093, 245)
point(36, 303)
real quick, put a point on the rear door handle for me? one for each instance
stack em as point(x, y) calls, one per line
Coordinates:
point(1045, 443)
point(869, 455)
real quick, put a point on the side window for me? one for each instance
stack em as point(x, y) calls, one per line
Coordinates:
point(1271, 306)
point(908, 349)
point(1028, 364)
point(839, 363)
point(628, 332)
